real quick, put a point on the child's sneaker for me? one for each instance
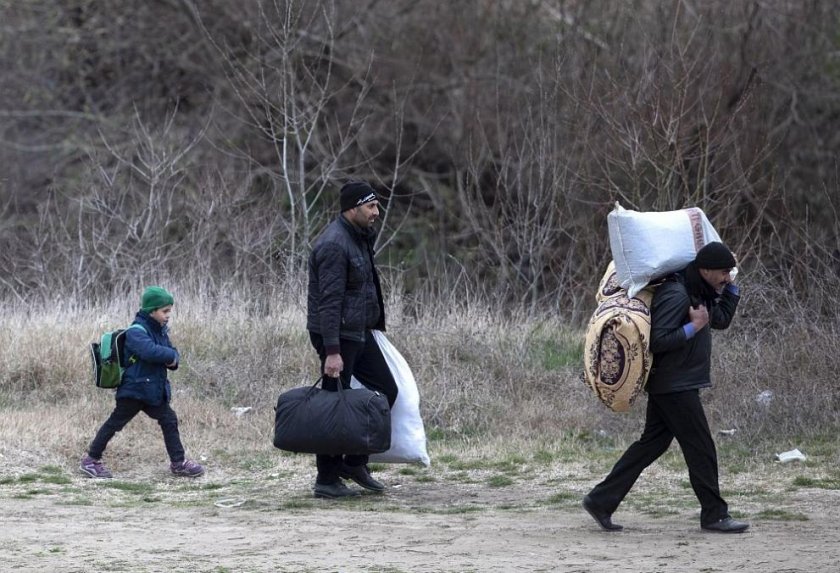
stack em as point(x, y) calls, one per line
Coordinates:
point(94, 468)
point(187, 468)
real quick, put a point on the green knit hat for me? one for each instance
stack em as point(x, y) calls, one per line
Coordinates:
point(155, 297)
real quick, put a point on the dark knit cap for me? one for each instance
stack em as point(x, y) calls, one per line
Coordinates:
point(714, 256)
point(356, 193)
point(155, 297)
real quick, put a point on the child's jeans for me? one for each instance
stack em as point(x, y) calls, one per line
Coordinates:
point(126, 409)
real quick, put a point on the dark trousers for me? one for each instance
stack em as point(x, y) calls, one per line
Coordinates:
point(679, 415)
point(363, 360)
point(124, 412)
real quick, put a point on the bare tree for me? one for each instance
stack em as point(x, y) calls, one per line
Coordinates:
point(309, 105)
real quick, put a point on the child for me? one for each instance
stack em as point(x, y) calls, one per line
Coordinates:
point(145, 386)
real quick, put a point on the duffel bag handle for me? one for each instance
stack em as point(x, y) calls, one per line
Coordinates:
point(321, 382)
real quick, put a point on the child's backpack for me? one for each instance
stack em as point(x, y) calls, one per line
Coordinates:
point(107, 358)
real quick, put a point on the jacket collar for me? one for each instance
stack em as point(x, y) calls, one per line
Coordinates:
point(150, 324)
point(363, 235)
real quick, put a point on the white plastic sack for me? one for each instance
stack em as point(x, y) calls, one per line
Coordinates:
point(408, 436)
point(650, 245)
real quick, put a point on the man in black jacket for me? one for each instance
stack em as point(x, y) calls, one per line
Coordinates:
point(344, 304)
point(701, 295)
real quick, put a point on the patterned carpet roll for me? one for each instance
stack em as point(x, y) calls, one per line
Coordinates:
point(617, 358)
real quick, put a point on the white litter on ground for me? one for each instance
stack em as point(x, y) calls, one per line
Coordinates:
point(764, 398)
point(791, 456)
point(226, 503)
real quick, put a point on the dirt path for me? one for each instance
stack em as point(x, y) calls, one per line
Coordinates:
point(398, 532)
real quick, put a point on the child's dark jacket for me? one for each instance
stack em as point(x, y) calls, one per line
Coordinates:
point(146, 379)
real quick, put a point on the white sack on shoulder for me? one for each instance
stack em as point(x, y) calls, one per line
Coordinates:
point(408, 436)
point(650, 245)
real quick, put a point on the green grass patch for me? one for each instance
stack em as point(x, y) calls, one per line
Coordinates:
point(436, 434)
point(544, 457)
point(590, 441)
point(259, 462)
point(49, 476)
point(76, 501)
point(425, 479)
point(661, 504)
point(658, 512)
point(672, 459)
point(51, 469)
point(781, 515)
point(56, 479)
point(278, 476)
point(748, 493)
point(460, 510)
point(829, 483)
point(407, 472)
point(447, 459)
point(131, 487)
point(453, 510)
point(738, 457)
point(556, 350)
point(499, 481)
point(512, 464)
point(467, 465)
point(211, 486)
point(564, 497)
point(298, 504)
point(739, 461)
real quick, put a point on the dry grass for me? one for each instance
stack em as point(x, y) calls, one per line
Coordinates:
point(482, 374)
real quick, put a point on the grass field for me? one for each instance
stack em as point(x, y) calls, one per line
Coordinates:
point(513, 433)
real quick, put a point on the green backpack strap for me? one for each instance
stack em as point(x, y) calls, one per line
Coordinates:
point(132, 359)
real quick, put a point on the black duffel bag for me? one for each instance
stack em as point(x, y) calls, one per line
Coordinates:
point(312, 420)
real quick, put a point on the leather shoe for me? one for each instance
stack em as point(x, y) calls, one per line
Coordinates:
point(726, 525)
point(361, 476)
point(333, 490)
point(603, 518)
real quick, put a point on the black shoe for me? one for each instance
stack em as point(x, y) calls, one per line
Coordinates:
point(333, 490)
point(726, 525)
point(604, 519)
point(361, 476)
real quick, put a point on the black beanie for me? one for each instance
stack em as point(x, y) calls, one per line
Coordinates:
point(356, 193)
point(714, 256)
